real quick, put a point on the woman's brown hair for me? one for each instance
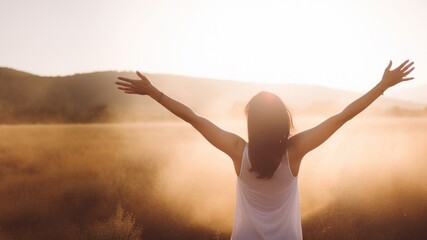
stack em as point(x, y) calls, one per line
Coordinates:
point(269, 127)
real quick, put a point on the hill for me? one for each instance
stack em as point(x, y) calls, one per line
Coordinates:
point(93, 97)
point(417, 94)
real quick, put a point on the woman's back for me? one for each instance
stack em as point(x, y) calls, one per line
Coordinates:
point(267, 209)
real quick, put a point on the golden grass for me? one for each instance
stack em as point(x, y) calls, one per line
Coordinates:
point(163, 181)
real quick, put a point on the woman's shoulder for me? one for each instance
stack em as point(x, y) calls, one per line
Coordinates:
point(293, 155)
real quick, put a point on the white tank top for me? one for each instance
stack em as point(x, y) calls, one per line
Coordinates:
point(267, 209)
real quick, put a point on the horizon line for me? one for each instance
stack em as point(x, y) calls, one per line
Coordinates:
point(178, 75)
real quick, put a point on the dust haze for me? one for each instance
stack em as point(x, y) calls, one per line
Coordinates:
point(129, 168)
point(376, 165)
point(170, 181)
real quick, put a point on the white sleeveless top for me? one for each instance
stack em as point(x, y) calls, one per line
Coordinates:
point(267, 209)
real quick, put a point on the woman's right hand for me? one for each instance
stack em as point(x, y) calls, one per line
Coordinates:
point(141, 86)
point(397, 75)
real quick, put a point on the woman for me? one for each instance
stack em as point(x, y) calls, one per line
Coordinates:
point(267, 166)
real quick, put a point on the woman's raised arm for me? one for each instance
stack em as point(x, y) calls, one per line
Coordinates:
point(227, 142)
point(308, 140)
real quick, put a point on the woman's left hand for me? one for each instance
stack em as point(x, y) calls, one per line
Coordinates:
point(141, 86)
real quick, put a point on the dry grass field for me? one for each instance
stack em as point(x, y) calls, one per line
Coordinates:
point(163, 181)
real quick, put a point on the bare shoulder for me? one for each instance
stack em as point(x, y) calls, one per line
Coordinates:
point(240, 147)
point(293, 147)
point(295, 156)
point(238, 155)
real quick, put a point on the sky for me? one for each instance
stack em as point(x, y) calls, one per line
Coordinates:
point(336, 43)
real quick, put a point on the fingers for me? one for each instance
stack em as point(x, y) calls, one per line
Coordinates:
point(140, 75)
point(402, 65)
point(389, 65)
point(126, 79)
point(407, 79)
point(132, 90)
point(128, 90)
point(407, 67)
point(408, 72)
point(125, 89)
point(131, 86)
point(123, 84)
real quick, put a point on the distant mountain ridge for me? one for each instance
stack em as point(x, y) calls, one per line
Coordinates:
point(93, 97)
point(415, 94)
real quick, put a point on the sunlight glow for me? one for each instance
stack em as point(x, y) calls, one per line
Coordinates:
point(340, 44)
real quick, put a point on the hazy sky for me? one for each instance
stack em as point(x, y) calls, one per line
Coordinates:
point(337, 43)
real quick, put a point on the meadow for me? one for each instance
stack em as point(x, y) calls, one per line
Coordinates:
point(162, 180)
